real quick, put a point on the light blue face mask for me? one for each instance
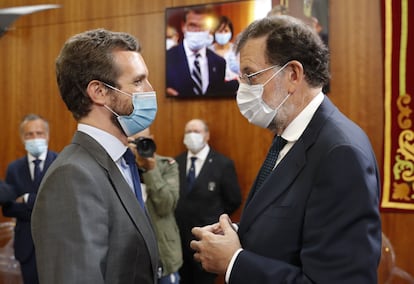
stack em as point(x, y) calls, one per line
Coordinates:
point(145, 109)
point(222, 38)
point(36, 147)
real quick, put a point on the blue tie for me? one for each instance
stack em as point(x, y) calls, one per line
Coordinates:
point(191, 174)
point(130, 160)
point(37, 173)
point(270, 161)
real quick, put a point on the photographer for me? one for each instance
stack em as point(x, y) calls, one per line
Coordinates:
point(160, 186)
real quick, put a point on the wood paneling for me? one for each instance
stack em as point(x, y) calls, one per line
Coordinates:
point(27, 84)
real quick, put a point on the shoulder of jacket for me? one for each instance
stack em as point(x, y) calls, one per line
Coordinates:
point(165, 159)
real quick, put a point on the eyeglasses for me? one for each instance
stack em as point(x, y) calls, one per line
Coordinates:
point(247, 78)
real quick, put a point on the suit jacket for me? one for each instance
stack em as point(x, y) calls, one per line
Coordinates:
point(215, 191)
point(179, 75)
point(7, 193)
point(162, 187)
point(87, 225)
point(18, 176)
point(316, 218)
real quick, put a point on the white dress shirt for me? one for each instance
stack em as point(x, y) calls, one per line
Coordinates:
point(30, 160)
point(113, 146)
point(203, 63)
point(201, 158)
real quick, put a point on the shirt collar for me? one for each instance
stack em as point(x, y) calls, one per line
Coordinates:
point(112, 145)
point(202, 155)
point(298, 125)
point(42, 156)
point(191, 54)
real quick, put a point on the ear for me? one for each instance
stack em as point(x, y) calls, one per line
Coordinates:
point(295, 75)
point(97, 92)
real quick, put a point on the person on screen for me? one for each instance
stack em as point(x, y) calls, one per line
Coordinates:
point(171, 37)
point(223, 46)
point(192, 69)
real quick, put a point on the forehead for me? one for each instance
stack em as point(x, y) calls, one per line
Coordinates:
point(252, 55)
point(224, 27)
point(197, 19)
point(130, 63)
point(195, 125)
point(33, 125)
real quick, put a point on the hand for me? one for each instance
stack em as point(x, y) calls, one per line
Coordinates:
point(215, 245)
point(20, 199)
point(172, 92)
point(144, 163)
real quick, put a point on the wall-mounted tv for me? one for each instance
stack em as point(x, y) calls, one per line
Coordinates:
point(200, 61)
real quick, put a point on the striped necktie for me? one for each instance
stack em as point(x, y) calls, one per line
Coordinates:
point(196, 75)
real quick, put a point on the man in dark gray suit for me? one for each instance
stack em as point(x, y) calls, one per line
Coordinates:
point(312, 215)
point(87, 224)
point(214, 190)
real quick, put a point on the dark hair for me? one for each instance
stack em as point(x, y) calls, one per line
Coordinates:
point(199, 10)
point(288, 39)
point(85, 57)
point(224, 21)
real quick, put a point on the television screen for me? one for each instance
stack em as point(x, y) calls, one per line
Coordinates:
point(200, 60)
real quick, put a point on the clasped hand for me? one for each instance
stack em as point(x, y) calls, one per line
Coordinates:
point(215, 245)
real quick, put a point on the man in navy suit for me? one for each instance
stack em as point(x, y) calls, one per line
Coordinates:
point(312, 215)
point(23, 176)
point(209, 79)
point(7, 193)
point(214, 190)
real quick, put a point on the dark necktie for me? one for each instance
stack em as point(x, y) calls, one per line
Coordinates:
point(130, 160)
point(270, 161)
point(196, 75)
point(191, 174)
point(37, 176)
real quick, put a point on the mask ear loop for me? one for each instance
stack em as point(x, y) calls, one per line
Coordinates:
point(108, 108)
point(281, 104)
point(116, 89)
point(277, 72)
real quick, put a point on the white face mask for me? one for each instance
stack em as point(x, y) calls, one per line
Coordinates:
point(194, 141)
point(197, 40)
point(251, 104)
point(169, 42)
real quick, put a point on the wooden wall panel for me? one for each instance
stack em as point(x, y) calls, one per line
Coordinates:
point(27, 84)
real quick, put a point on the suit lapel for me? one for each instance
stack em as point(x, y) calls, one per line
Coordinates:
point(287, 170)
point(205, 171)
point(276, 184)
point(123, 191)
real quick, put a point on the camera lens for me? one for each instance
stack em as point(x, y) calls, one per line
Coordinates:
point(145, 147)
